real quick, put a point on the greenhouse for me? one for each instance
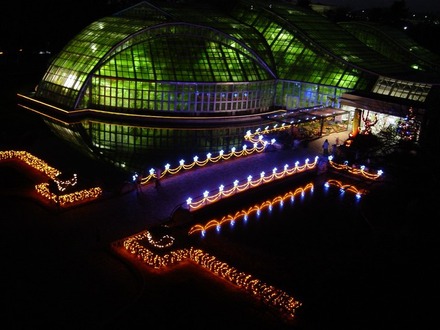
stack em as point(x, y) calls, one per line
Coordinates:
point(160, 80)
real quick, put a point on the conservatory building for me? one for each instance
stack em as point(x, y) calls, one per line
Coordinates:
point(163, 80)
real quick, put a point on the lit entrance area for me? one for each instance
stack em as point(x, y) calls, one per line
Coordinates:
point(314, 122)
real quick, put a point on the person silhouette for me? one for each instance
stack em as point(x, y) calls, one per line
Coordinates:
point(325, 146)
point(157, 182)
point(139, 183)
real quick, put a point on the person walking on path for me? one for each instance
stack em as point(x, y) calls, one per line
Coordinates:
point(157, 182)
point(325, 146)
point(139, 183)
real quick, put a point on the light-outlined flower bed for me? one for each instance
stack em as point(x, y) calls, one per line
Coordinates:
point(61, 191)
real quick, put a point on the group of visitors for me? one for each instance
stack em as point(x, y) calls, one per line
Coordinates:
point(326, 146)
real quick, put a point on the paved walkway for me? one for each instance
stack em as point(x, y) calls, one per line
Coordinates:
point(64, 257)
point(126, 211)
point(132, 211)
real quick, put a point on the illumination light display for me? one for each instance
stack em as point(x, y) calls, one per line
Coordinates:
point(368, 123)
point(271, 296)
point(70, 198)
point(268, 294)
point(32, 161)
point(275, 298)
point(236, 187)
point(53, 174)
point(408, 127)
point(259, 145)
point(346, 187)
point(257, 139)
point(355, 170)
point(214, 223)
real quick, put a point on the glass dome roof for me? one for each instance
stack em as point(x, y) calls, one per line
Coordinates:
point(137, 52)
point(150, 48)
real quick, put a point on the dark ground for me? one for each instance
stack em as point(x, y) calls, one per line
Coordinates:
point(368, 267)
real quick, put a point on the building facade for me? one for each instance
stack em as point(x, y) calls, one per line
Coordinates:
point(161, 81)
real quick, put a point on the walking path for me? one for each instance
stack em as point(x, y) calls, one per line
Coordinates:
point(158, 204)
point(131, 210)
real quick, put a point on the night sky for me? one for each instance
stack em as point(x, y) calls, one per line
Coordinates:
point(40, 23)
point(51, 23)
point(428, 6)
